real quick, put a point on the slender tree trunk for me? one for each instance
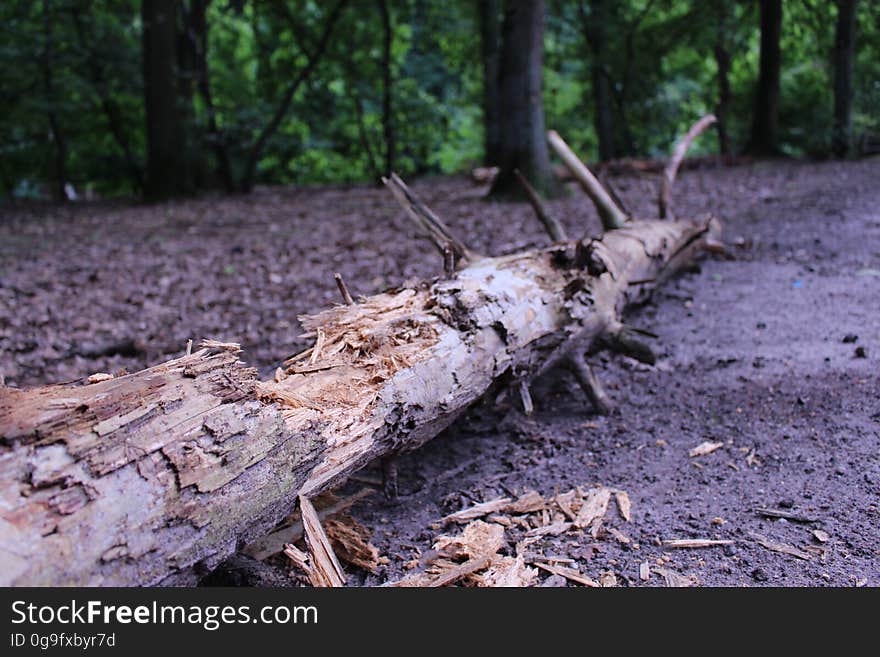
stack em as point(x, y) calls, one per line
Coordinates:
point(523, 141)
point(490, 44)
point(255, 152)
point(844, 53)
point(765, 121)
point(217, 139)
point(722, 62)
point(58, 168)
point(115, 120)
point(166, 173)
point(387, 85)
point(603, 113)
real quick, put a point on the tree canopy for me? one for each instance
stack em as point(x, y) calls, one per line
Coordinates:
point(301, 91)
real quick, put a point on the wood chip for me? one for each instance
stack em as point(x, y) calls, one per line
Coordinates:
point(475, 511)
point(478, 538)
point(553, 529)
point(674, 579)
point(705, 448)
point(623, 504)
point(351, 542)
point(594, 507)
point(97, 377)
point(529, 502)
point(221, 346)
point(607, 579)
point(788, 515)
point(694, 542)
point(568, 573)
point(325, 568)
point(644, 571)
point(449, 574)
point(507, 572)
point(619, 536)
point(775, 546)
point(821, 536)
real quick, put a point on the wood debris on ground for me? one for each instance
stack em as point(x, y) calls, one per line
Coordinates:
point(674, 579)
point(705, 448)
point(351, 542)
point(776, 546)
point(694, 542)
point(479, 554)
point(787, 515)
point(325, 568)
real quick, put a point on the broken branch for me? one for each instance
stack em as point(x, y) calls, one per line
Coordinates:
point(432, 227)
point(681, 147)
point(551, 224)
point(610, 214)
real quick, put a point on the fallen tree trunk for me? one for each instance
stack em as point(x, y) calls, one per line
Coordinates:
point(156, 477)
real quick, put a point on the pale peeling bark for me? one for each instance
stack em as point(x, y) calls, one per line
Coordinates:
point(157, 476)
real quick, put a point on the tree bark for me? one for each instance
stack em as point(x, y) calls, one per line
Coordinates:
point(722, 62)
point(603, 113)
point(523, 142)
point(844, 53)
point(490, 47)
point(765, 121)
point(157, 477)
point(166, 172)
point(58, 168)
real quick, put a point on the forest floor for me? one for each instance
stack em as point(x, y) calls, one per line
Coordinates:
point(774, 354)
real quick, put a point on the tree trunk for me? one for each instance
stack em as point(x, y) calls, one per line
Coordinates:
point(166, 173)
point(490, 45)
point(722, 62)
point(844, 53)
point(765, 121)
point(523, 142)
point(157, 477)
point(603, 113)
point(255, 152)
point(387, 81)
point(58, 158)
point(112, 112)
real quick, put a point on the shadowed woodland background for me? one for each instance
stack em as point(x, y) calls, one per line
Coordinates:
point(162, 98)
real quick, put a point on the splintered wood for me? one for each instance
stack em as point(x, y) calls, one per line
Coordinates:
point(473, 557)
point(705, 448)
point(324, 567)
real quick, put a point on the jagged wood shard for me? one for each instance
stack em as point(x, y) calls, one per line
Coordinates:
point(156, 477)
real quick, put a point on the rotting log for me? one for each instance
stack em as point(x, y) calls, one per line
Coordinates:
point(156, 477)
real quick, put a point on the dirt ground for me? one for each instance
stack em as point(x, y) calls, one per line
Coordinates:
point(773, 353)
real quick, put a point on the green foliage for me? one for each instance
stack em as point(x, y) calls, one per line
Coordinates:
point(660, 60)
